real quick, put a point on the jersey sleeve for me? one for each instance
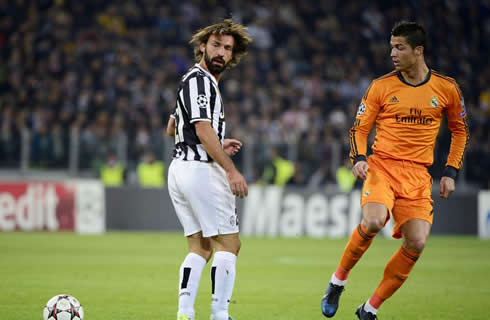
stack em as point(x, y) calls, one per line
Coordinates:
point(197, 96)
point(457, 123)
point(174, 113)
point(365, 117)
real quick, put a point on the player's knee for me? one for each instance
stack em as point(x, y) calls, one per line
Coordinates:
point(415, 245)
point(206, 249)
point(374, 224)
point(230, 243)
point(238, 246)
point(206, 254)
point(234, 246)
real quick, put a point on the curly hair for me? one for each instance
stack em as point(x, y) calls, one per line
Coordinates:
point(226, 27)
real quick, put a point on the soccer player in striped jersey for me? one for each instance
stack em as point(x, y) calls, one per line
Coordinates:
point(202, 179)
point(407, 105)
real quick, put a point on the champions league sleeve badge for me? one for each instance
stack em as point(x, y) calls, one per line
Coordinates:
point(362, 109)
point(202, 101)
point(463, 107)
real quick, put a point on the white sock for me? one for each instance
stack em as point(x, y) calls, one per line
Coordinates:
point(369, 308)
point(338, 282)
point(223, 280)
point(190, 275)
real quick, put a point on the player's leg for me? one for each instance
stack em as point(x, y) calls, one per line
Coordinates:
point(415, 233)
point(200, 248)
point(377, 200)
point(374, 218)
point(413, 220)
point(214, 205)
point(200, 251)
point(223, 272)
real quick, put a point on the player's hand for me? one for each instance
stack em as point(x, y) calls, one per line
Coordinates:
point(360, 170)
point(231, 146)
point(446, 187)
point(237, 183)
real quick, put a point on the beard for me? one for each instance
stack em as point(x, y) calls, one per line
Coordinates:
point(213, 68)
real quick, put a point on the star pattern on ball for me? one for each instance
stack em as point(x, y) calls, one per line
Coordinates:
point(74, 312)
point(52, 313)
point(72, 308)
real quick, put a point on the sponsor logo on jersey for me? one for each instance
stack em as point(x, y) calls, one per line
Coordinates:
point(414, 117)
point(394, 99)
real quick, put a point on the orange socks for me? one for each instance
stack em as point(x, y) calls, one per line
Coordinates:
point(396, 272)
point(358, 243)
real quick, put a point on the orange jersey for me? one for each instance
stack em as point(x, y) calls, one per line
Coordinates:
point(408, 118)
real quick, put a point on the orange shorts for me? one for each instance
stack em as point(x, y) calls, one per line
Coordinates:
point(404, 187)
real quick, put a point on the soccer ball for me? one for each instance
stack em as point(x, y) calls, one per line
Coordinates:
point(63, 307)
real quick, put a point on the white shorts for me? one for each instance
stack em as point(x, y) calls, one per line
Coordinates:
point(202, 198)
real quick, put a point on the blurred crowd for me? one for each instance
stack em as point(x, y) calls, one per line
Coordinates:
point(107, 72)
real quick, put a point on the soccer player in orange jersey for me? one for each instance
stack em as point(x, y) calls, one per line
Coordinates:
point(407, 105)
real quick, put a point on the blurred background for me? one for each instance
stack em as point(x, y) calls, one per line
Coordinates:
point(87, 83)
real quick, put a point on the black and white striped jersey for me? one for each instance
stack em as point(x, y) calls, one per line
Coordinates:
point(198, 99)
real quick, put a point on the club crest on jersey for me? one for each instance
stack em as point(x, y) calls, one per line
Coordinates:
point(362, 109)
point(463, 113)
point(367, 192)
point(234, 220)
point(202, 101)
point(434, 102)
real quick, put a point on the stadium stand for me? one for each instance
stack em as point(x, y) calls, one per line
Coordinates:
point(80, 79)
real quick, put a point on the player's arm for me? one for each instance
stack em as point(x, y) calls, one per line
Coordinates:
point(232, 146)
point(171, 123)
point(456, 115)
point(213, 147)
point(171, 126)
point(199, 109)
point(358, 134)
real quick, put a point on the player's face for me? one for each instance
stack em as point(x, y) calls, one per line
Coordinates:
point(218, 52)
point(402, 54)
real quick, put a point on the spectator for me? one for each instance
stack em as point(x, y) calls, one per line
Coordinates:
point(112, 172)
point(279, 171)
point(151, 172)
point(70, 62)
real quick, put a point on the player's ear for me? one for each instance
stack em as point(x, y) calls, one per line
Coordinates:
point(419, 50)
point(202, 47)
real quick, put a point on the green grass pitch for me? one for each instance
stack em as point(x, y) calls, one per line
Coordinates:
point(134, 276)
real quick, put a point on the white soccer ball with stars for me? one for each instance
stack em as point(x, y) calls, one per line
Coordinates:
point(63, 307)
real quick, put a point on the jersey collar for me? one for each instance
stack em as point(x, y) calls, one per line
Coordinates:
point(400, 76)
point(207, 73)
